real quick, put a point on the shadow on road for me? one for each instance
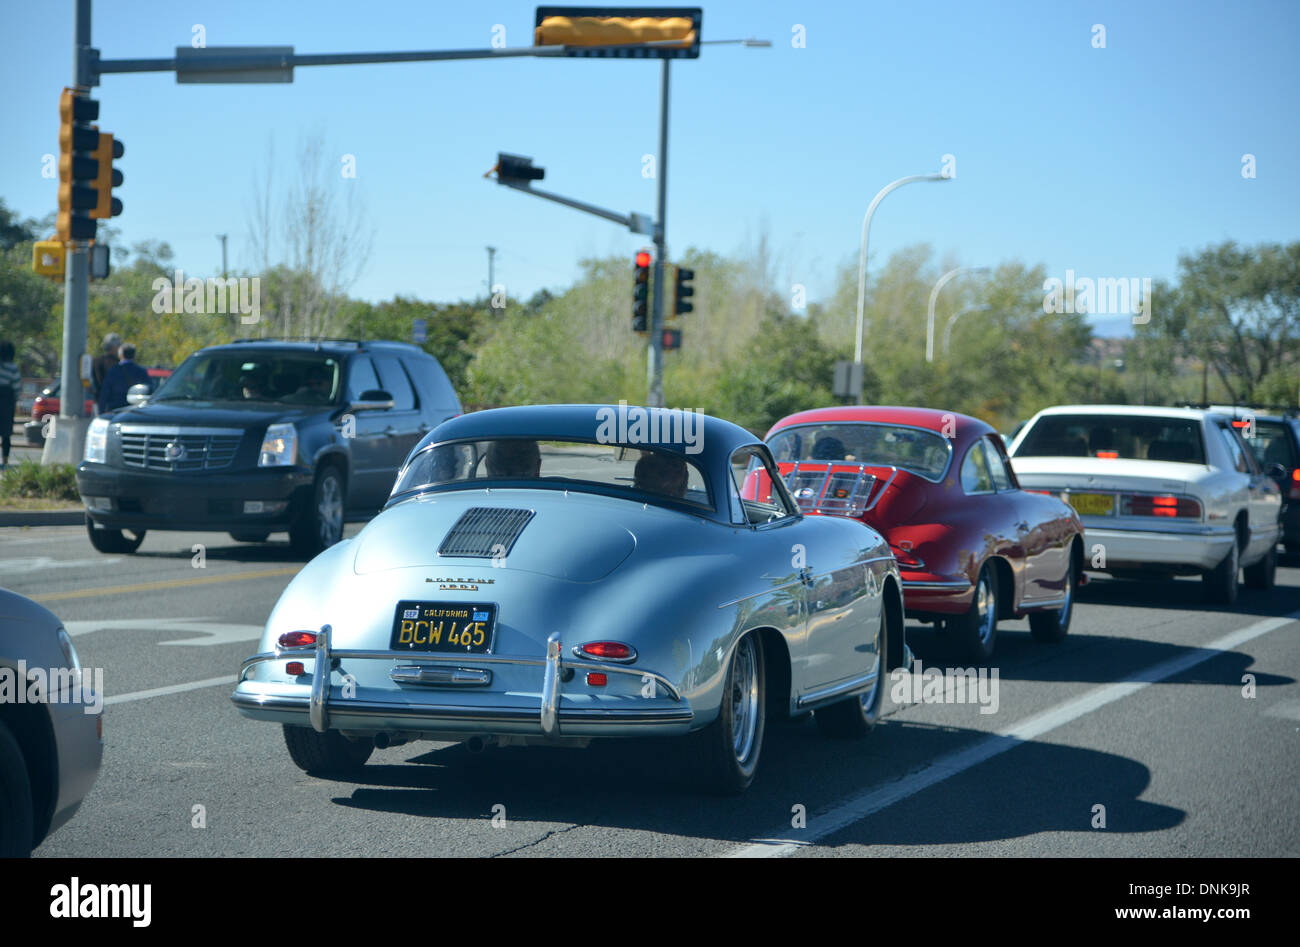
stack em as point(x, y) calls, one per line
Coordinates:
point(643, 786)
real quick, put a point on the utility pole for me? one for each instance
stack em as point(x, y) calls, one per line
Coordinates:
point(69, 440)
point(655, 368)
point(492, 252)
point(222, 238)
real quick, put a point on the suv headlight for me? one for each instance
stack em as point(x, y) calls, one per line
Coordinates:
point(279, 447)
point(97, 442)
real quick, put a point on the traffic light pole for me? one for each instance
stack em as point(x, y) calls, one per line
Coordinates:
point(69, 436)
point(655, 356)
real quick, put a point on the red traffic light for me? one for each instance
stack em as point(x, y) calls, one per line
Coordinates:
point(643, 258)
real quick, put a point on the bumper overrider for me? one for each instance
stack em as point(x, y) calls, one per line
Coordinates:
point(419, 697)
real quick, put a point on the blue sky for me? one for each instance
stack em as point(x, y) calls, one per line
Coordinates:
point(1107, 161)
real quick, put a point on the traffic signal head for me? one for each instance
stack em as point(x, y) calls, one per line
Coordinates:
point(107, 177)
point(640, 290)
point(516, 169)
point(672, 338)
point(683, 290)
point(78, 169)
point(621, 32)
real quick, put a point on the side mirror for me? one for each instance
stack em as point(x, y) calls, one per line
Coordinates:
point(137, 394)
point(1277, 472)
point(376, 399)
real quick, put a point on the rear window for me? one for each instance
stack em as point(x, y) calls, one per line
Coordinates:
point(644, 474)
point(877, 445)
point(1115, 437)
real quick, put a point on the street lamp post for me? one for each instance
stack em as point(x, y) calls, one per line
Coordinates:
point(947, 329)
point(862, 254)
point(934, 296)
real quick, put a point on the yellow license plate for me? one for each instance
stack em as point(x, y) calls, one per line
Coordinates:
point(1093, 504)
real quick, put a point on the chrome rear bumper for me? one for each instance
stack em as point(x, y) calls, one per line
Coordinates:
point(457, 672)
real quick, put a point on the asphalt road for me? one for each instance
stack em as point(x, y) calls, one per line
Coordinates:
point(1141, 711)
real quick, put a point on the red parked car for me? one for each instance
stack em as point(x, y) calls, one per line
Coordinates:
point(972, 547)
point(47, 405)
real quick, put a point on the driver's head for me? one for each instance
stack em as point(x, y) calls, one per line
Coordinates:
point(253, 383)
point(828, 448)
point(658, 472)
point(514, 460)
point(319, 379)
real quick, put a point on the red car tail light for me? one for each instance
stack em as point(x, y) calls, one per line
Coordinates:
point(1295, 484)
point(597, 679)
point(607, 651)
point(1108, 454)
point(295, 669)
point(1136, 504)
point(297, 639)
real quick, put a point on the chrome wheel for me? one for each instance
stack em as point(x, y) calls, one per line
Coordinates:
point(986, 608)
point(744, 699)
point(329, 510)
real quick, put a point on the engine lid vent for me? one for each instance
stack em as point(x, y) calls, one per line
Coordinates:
point(485, 532)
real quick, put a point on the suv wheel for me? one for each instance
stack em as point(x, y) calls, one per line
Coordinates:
point(321, 524)
point(113, 540)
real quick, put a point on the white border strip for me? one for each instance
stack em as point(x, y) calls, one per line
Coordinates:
point(856, 808)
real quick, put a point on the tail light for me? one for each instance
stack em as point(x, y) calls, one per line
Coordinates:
point(1137, 504)
point(1295, 484)
point(597, 679)
point(297, 639)
point(607, 651)
point(295, 669)
point(1108, 454)
point(905, 557)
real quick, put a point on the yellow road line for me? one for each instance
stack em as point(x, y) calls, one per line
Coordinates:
point(164, 584)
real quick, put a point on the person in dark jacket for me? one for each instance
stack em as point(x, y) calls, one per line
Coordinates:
point(102, 363)
point(119, 379)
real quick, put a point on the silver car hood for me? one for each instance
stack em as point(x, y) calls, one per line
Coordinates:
point(574, 537)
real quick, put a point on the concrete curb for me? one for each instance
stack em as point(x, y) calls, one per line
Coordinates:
point(42, 517)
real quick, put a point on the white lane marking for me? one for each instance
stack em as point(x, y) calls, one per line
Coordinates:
point(218, 633)
point(856, 808)
point(30, 564)
point(170, 689)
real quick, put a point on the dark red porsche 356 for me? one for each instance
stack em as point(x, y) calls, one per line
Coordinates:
point(971, 545)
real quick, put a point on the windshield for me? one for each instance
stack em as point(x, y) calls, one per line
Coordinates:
point(646, 474)
point(265, 377)
point(877, 445)
point(1115, 437)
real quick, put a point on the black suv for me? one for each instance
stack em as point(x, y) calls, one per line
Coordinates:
point(262, 436)
point(1274, 438)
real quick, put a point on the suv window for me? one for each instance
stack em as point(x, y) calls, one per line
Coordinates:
point(1272, 444)
point(975, 477)
point(253, 375)
point(361, 377)
point(393, 380)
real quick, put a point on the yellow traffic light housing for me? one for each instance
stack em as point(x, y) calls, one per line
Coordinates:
point(78, 140)
point(621, 32)
point(107, 177)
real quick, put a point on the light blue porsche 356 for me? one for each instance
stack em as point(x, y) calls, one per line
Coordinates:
point(558, 573)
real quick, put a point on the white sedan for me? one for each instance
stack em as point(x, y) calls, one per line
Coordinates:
point(1161, 491)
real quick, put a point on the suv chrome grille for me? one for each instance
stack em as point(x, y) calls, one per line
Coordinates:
point(178, 448)
point(485, 532)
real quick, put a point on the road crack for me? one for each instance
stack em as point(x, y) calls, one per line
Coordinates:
point(536, 842)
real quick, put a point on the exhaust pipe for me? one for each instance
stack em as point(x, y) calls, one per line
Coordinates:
point(477, 745)
point(385, 740)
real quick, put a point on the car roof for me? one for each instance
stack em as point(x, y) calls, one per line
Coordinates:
point(716, 438)
point(1132, 410)
point(336, 347)
point(930, 419)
